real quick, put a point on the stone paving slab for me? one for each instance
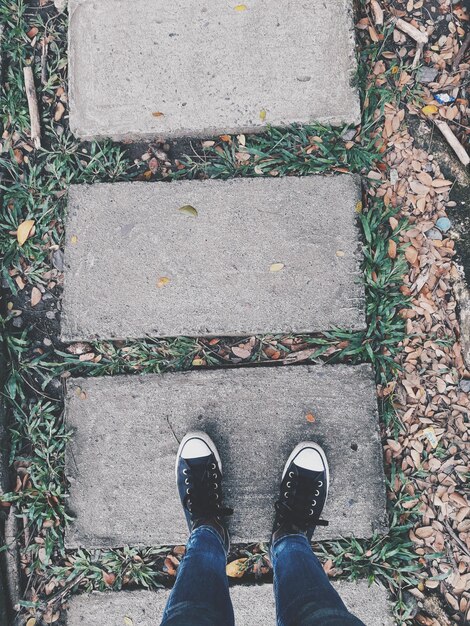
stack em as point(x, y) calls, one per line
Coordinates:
point(151, 68)
point(124, 238)
point(120, 461)
point(253, 606)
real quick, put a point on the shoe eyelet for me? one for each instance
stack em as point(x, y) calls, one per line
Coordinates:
point(317, 493)
point(291, 474)
point(288, 484)
point(216, 496)
point(186, 482)
point(213, 466)
point(187, 491)
point(311, 512)
point(320, 483)
point(314, 503)
point(214, 475)
point(185, 472)
point(286, 495)
point(216, 486)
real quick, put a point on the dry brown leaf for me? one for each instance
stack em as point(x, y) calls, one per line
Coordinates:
point(411, 254)
point(36, 296)
point(392, 249)
point(243, 353)
point(24, 231)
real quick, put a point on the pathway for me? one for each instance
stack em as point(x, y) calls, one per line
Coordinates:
point(204, 258)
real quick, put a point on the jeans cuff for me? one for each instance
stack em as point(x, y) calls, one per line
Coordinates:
point(203, 528)
point(289, 536)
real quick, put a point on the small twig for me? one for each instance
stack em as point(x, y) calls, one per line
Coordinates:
point(460, 54)
point(32, 105)
point(456, 538)
point(411, 31)
point(45, 46)
point(60, 594)
point(418, 53)
point(453, 142)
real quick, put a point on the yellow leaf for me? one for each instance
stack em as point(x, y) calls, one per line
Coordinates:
point(358, 207)
point(189, 210)
point(241, 7)
point(158, 114)
point(310, 418)
point(31, 622)
point(128, 621)
point(24, 231)
point(163, 281)
point(430, 109)
point(73, 239)
point(262, 115)
point(276, 267)
point(236, 569)
point(197, 362)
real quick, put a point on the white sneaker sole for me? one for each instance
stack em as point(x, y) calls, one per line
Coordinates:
point(309, 444)
point(199, 434)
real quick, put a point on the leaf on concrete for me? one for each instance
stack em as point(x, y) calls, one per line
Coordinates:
point(241, 7)
point(158, 114)
point(262, 115)
point(188, 210)
point(24, 231)
point(164, 280)
point(276, 267)
point(128, 621)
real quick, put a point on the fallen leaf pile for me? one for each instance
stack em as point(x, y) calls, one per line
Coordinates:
point(431, 396)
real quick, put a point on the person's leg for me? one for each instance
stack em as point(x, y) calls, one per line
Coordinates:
point(200, 596)
point(304, 595)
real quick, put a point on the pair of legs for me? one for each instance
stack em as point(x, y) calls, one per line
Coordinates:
point(303, 593)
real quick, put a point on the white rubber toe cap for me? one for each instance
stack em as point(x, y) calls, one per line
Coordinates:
point(195, 448)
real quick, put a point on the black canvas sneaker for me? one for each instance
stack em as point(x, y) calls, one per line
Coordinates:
point(304, 489)
point(199, 477)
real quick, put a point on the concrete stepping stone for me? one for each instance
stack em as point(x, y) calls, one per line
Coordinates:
point(261, 256)
point(163, 68)
point(120, 461)
point(253, 606)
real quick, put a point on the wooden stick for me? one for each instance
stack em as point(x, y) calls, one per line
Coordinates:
point(453, 142)
point(32, 105)
point(378, 12)
point(411, 31)
point(461, 52)
point(418, 53)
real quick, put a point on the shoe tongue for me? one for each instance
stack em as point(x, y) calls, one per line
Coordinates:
point(308, 473)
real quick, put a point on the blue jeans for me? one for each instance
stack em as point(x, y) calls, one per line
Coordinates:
point(304, 595)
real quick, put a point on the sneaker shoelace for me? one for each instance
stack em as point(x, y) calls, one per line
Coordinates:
point(203, 497)
point(296, 506)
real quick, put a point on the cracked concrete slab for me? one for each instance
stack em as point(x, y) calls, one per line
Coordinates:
point(135, 265)
point(120, 461)
point(170, 69)
point(253, 605)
